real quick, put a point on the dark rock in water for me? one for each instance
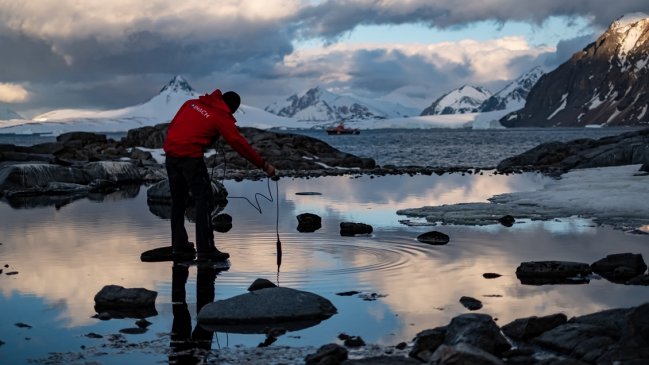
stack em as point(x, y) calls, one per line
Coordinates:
point(308, 222)
point(118, 296)
point(553, 272)
point(526, 328)
point(329, 354)
point(471, 303)
point(133, 331)
point(160, 193)
point(39, 175)
point(22, 325)
point(269, 305)
point(639, 280)
point(607, 337)
point(644, 167)
point(117, 171)
point(491, 275)
point(222, 223)
point(507, 220)
point(93, 335)
point(352, 229)
point(478, 330)
point(426, 342)
point(348, 293)
point(625, 149)
point(143, 323)
point(382, 360)
point(307, 193)
point(261, 284)
point(434, 238)
point(620, 267)
point(354, 341)
point(463, 354)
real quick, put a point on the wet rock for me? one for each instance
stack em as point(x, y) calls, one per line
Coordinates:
point(552, 272)
point(330, 354)
point(143, 323)
point(463, 354)
point(348, 293)
point(269, 305)
point(261, 284)
point(115, 296)
point(352, 229)
point(529, 327)
point(93, 335)
point(81, 138)
point(507, 220)
point(471, 303)
point(382, 360)
point(308, 222)
point(22, 325)
point(620, 267)
point(478, 330)
point(117, 171)
point(639, 280)
point(222, 222)
point(434, 238)
point(426, 342)
point(34, 175)
point(491, 275)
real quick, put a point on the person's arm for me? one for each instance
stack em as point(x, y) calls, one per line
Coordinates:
point(239, 143)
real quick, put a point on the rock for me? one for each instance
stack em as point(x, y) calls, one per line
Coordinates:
point(478, 330)
point(330, 354)
point(426, 342)
point(352, 229)
point(308, 222)
point(620, 267)
point(82, 138)
point(22, 325)
point(644, 167)
point(552, 272)
point(268, 305)
point(261, 284)
point(491, 275)
point(143, 323)
point(382, 360)
point(117, 171)
point(639, 280)
point(463, 354)
point(434, 238)
point(529, 327)
point(222, 222)
point(115, 296)
point(625, 149)
point(471, 303)
point(35, 175)
point(507, 220)
point(160, 193)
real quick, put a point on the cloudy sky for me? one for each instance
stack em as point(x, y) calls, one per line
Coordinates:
point(108, 54)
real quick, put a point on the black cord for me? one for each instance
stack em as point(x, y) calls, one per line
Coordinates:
point(257, 207)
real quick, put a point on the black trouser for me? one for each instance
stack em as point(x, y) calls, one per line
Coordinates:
point(190, 174)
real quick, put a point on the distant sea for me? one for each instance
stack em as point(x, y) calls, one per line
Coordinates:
point(421, 147)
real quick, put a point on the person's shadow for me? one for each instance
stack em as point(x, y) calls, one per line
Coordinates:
point(187, 346)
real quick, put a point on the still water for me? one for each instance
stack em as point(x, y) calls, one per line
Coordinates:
point(65, 254)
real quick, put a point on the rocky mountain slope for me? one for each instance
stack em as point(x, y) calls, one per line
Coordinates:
point(605, 84)
point(514, 95)
point(318, 104)
point(466, 99)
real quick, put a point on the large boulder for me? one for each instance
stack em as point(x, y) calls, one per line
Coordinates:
point(117, 171)
point(267, 306)
point(33, 175)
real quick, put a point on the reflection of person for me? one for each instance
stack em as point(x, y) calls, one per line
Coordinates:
point(198, 123)
point(184, 342)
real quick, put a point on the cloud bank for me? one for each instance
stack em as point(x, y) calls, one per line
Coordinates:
point(99, 53)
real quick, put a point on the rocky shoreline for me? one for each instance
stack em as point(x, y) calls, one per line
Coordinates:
point(81, 165)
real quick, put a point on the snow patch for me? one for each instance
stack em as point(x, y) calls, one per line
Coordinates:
point(643, 112)
point(564, 102)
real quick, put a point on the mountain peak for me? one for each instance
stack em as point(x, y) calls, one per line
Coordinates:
point(177, 83)
point(629, 19)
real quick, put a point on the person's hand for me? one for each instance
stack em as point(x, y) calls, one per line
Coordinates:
point(269, 169)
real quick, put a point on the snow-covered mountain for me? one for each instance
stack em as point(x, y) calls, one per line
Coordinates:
point(513, 96)
point(159, 109)
point(466, 99)
point(6, 113)
point(318, 104)
point(605, 84)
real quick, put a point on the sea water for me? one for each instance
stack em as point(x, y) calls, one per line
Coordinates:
point(60, 255)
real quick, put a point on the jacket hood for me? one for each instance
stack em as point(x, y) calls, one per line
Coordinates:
point(215, 99)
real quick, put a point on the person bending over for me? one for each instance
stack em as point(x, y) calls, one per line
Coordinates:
point(197, 123)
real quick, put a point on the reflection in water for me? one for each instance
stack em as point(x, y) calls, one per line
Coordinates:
point(187, 346)
point(64, 257)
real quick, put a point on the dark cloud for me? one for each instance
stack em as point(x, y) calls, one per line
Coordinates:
point(566, 48)
point(333, 18)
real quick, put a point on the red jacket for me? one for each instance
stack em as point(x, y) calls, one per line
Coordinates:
point(201, 121)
